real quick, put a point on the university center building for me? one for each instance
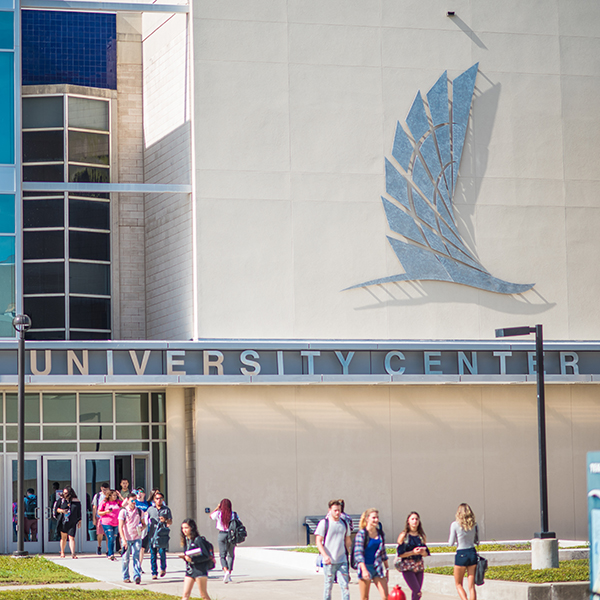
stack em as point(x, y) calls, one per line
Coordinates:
point(265, 246)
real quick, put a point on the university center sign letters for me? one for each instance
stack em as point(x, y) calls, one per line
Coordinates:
point(300, 362)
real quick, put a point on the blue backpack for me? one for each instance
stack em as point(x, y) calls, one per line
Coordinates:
point(30, 506)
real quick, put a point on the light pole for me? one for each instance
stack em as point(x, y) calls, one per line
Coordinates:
point(546, 551)
point(21, 323)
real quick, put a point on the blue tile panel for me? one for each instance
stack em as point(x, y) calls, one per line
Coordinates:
point(7, 108)
point(69, 48)
point(423, 188)
point(7, 38)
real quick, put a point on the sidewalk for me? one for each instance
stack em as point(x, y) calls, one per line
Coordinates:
point(258, 573)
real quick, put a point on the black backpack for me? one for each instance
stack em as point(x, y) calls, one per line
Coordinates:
point(160, 537)
point(206, 559)
point(353, 562)
point(236, 533)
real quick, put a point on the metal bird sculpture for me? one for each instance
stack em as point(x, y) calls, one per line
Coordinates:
point(420, 204)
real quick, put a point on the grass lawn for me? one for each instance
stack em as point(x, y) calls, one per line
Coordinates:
point(569, 570)
point(441, 549)
point(451, 549)
point(35, 570)
point(76, 594)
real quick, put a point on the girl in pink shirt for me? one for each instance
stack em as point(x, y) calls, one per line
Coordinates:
point(109, 519)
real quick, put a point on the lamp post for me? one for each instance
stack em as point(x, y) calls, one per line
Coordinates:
point(21, 323)
point(547, 554)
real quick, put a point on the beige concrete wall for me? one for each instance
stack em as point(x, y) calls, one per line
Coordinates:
point(296, 104)
point(167, 159)
point(281, 452)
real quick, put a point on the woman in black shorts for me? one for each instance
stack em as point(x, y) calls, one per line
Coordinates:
point(197, 565)
point(69, 519)
point(464, 535)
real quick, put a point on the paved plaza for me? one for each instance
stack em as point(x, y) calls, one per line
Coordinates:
point(259, 573)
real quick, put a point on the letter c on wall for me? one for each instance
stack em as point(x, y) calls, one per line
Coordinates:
point(388, 362)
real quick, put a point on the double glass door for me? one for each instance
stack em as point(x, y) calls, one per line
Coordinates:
point(45, 479)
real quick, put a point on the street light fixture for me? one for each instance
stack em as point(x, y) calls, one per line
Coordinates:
point(21, 323)
point(546, 556)
point(541, 406)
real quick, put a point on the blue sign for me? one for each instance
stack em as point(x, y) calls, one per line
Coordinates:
point(593, 486)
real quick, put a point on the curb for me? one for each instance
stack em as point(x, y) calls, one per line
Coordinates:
point(510, 590)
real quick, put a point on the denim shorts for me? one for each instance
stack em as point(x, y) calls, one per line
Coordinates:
point(372, 572)
point(466, 557)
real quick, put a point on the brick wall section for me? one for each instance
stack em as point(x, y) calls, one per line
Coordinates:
point(168, 217)
point(130, 304)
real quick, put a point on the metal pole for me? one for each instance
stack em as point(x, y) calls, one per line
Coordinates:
point(21, 448)
point(541, 407)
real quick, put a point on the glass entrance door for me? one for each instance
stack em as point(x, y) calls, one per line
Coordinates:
point(96, 470)
point(58, 473)
point(33, 530)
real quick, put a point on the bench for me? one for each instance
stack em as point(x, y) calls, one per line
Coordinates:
point(311, 522)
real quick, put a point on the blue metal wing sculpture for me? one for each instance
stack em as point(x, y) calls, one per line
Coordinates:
point(422, 192)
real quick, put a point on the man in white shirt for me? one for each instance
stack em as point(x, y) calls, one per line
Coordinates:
point(334, 544)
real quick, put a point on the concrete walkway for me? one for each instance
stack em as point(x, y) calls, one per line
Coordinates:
point(259, 573)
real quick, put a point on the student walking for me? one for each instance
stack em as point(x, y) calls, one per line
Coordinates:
point(334, 543)
point(464, 535)
point(370, 554)
point(131, 528)
point(108, 513)
point(97, 500)
point(197, 563)
point(159, 521)
point(223, 515)
point(69, 519)
point(143, 506)
point(412, 547)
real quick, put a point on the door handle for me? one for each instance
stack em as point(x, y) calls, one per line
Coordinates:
point(48, 512)
point(37, 512)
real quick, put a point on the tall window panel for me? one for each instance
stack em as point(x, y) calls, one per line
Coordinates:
point(7, 171)
point(67, 258)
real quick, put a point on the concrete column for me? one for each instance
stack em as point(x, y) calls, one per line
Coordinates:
point(176, 480)
point(130, 265)
point(544, 554)
point(190, 451)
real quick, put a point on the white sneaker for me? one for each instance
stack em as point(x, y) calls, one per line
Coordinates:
point(226, 578)
point(229, 577)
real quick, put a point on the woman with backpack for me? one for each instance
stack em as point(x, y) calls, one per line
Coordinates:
point(199, 559)
point(69, 519)
point(370, 556)
point(464, 535)
point(411, 550)
point(108, 511)
point(223, 515)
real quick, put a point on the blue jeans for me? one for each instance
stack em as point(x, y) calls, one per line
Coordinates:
point(110, 531)
point(343, 579)
point(162, 552)
point(133, 548)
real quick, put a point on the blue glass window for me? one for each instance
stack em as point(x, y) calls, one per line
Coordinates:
point(7, 123)
point(7, 285)
point(70, 48)
point(7, 38)
point(7, 213)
